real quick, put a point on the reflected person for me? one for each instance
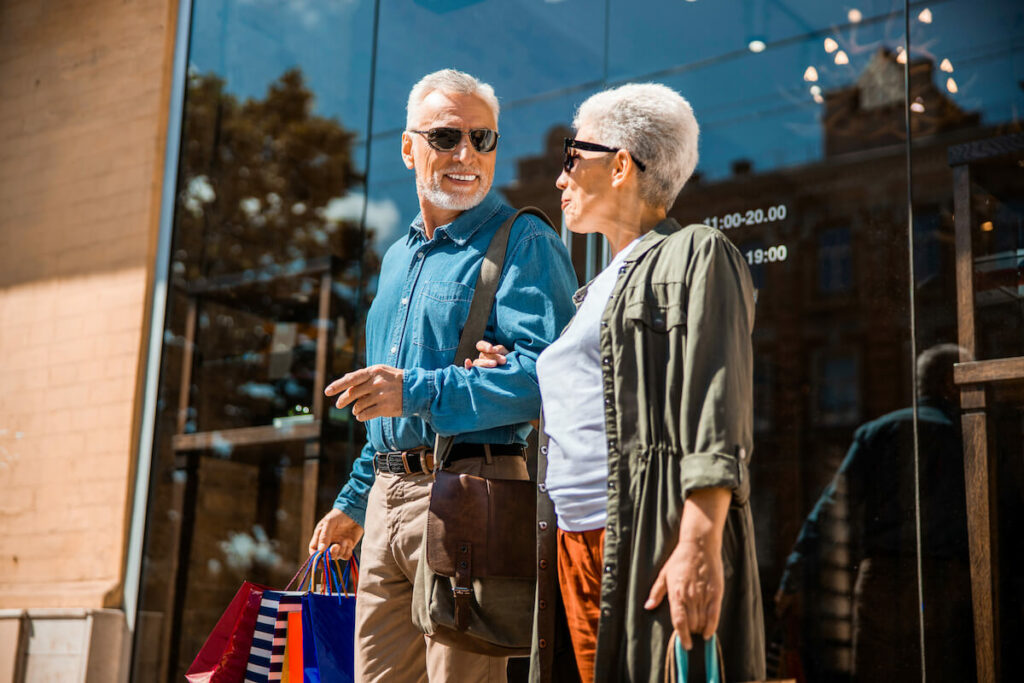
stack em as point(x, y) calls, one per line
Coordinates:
point(878, 476)
point(647, 406)
point(411, 391)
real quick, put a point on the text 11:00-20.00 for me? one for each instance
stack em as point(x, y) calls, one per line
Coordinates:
point(739, 219)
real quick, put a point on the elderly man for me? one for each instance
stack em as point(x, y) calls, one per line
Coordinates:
point(411, 390)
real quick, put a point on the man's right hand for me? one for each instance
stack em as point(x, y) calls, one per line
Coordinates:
point(336, 531)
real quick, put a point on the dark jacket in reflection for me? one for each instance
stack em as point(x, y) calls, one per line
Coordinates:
point(878, 478)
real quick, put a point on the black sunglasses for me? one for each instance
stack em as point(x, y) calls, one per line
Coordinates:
point(446, 139)
point(569, 161)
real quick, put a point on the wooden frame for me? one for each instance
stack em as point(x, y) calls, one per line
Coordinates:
point(975, 379)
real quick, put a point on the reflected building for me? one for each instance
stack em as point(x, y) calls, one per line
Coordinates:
point(831, 339)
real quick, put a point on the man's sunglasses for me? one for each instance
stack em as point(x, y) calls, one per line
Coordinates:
point(446, 139)
point(569, 161)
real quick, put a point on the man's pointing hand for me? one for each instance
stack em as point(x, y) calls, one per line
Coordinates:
point(375, 391)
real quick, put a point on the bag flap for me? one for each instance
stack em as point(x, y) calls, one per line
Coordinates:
point(495, 516)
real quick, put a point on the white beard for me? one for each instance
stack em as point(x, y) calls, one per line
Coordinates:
point(451, 201)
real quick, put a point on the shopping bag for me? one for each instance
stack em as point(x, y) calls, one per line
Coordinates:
point(225, 654)
point(266, 657)
point(677, 663)
point(328, 627)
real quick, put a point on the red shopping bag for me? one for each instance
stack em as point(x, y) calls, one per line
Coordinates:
point(224, 655)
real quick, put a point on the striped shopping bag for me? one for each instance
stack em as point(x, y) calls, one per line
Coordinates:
point(266, 656)
point(267, 652)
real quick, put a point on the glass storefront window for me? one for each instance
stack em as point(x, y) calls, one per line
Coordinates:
point(291, 187)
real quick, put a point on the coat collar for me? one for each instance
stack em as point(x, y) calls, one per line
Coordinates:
point(651, 239)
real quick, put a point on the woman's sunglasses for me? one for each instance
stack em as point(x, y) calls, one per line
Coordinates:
point(569, 161)
point(446, 139)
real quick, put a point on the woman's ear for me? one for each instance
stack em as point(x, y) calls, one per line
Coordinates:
point(622, 164)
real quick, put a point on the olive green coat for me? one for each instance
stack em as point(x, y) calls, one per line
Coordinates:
point(676, 350)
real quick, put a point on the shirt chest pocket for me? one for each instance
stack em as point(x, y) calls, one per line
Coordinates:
point(444, 307)
point(656, 316)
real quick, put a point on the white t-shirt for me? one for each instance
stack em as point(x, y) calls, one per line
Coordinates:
point(569, 373)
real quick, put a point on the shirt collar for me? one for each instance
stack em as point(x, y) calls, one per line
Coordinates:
point(465, 224)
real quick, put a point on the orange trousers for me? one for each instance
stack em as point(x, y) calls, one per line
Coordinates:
point(580, 557)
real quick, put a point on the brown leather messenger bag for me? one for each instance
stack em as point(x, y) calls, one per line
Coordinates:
point(475, 586)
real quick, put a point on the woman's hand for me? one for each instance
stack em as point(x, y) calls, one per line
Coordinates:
point(693, 577)
point(491, 355)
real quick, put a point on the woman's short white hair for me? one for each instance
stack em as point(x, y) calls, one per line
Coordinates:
point(656, 125)
point(449, 81)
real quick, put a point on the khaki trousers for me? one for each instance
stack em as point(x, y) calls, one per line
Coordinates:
point(389, 647)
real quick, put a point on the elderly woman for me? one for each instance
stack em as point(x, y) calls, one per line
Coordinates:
point(647, 407)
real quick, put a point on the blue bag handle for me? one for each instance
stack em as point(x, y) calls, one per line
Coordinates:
point(712, 663)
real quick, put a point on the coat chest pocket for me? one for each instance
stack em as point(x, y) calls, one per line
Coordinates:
point(444, 307)
point(656, 316)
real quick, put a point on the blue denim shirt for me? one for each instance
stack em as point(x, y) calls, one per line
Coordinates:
point(415, 321)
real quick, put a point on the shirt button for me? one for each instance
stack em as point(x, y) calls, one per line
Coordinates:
point(607, 569)
point(607, 401)
point(605, 612)
point(543, 604)
point(405, 300)
point(419, 255)
point(611, 484)
point(544, 450)
point(543, 526)
point(607, 361)
point(542, 643)
point(543, 487)
point(543, 564)
point(394, 349)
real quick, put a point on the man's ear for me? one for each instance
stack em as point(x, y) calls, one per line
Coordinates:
point(407, 151)
point(621, 166)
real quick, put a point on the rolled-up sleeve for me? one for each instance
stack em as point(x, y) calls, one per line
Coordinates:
point(716, 409)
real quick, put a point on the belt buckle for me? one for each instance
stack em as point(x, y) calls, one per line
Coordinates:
point(395, 465)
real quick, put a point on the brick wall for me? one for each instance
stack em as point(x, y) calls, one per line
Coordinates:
point(83, 106)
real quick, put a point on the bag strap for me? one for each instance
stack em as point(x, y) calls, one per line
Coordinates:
point(487, 282)
point(677, 661)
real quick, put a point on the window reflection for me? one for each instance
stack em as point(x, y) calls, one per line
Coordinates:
point(803, 111)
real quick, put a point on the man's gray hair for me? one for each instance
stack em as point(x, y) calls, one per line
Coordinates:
point(449, 81)
point(656, 125)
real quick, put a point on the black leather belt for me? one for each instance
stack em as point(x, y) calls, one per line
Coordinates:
point(422, 460)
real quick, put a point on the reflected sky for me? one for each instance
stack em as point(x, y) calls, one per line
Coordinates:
point(544, 57)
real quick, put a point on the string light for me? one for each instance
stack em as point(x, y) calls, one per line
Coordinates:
point(901, 56)
point(987, 226)
point(854, 16)
point(841, 58)
point(818, 98)
point(811, 74)
point(756, 45)
point(951, 85)
point(925, 17)
point(831, 45)
point(815, 89)
point(946, 66)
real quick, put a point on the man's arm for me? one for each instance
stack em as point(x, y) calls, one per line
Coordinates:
point(532, 305)
point(343, 525)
